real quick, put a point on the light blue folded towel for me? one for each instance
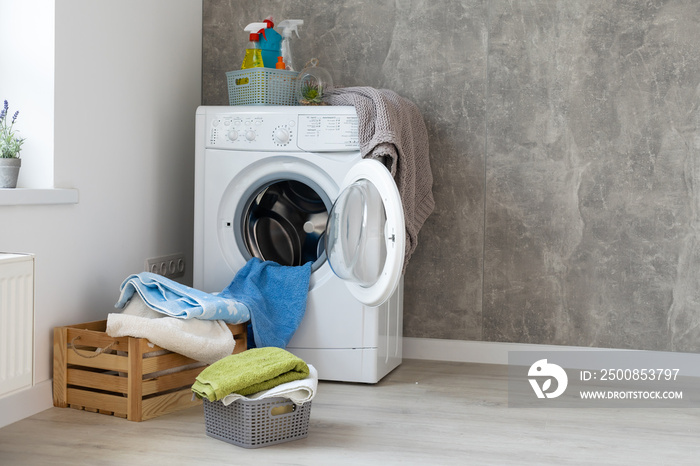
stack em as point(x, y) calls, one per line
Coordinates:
point(276, 297)
point(177, 300)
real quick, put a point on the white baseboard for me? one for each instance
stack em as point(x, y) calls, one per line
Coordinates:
point(486, 352)
point(24, 403)
point(483, 352)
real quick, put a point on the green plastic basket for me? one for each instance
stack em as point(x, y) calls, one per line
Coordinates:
point(262, 86)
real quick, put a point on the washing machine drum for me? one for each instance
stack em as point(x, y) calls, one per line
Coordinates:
point(285, 223)
point(361, 234)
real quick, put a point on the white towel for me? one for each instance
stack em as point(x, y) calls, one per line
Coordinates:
point(204, 340)
point(298, 391)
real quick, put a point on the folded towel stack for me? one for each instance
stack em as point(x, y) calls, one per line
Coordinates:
point(177, 300)
point(203, 340)
point(297, 391)
point(249, 372)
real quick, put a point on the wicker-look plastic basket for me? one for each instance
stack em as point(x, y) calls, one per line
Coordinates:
point(255, 424)
point(262, 86)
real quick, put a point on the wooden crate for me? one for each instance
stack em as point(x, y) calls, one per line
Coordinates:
point(106, 375)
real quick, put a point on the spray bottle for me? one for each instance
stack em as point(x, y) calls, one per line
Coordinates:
point(288, 26)
point(270, 44)
point(253, 56)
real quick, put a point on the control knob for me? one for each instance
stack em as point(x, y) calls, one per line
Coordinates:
point(281, 136)
point(250, 135)
point(233, 135)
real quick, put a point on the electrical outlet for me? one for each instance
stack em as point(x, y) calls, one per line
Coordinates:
point(171, 266)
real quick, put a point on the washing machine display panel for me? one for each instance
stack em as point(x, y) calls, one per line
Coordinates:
point(319, 133)
point(260, 131)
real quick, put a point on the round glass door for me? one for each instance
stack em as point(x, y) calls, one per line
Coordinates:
point(357, 246)
point(365, 234)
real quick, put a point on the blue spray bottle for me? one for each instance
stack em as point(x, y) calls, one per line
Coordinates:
point(270, 44)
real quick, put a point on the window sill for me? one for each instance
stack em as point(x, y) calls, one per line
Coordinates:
point(33, 196)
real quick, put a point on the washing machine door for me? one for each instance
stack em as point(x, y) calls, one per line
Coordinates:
point(365, 234)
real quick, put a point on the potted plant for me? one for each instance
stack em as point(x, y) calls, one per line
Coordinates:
point(10, 147)
point(311, 93)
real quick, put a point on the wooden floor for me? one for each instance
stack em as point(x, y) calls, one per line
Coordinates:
point(428, 413)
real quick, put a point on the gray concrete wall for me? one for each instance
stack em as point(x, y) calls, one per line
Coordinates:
point(564, 147)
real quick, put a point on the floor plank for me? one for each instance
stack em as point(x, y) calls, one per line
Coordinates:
point(425, 412)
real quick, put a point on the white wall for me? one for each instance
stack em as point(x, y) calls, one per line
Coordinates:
point(26, 82)
point(127, 84)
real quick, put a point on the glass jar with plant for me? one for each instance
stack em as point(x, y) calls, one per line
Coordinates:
point(313, 84)
point(10, 147)
point(311, 93)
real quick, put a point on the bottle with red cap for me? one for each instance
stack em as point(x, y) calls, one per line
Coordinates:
point(253, 55)
point(270, 44)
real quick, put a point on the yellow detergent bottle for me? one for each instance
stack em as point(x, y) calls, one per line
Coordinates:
point(253, 55)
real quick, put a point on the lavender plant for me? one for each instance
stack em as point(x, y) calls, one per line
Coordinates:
point(10, 143)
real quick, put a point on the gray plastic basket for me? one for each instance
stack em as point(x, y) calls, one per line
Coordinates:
point(262, 86)
point(255, 424)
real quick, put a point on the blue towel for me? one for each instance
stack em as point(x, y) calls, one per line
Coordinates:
point(276, 296)
point(177, 300)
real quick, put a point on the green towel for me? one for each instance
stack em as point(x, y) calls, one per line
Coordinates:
point(249, 372)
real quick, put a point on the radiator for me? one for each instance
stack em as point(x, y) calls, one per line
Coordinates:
point(16, 322)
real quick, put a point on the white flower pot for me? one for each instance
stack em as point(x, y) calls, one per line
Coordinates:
point(9, 171)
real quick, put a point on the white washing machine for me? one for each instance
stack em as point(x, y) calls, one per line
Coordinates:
point(288, 184)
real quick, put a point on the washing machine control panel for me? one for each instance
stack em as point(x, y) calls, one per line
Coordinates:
point(324, 131)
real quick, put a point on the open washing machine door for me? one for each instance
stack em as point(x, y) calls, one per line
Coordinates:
point(365, 234)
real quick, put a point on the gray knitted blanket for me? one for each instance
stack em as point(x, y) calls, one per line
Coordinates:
point(391, 126)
